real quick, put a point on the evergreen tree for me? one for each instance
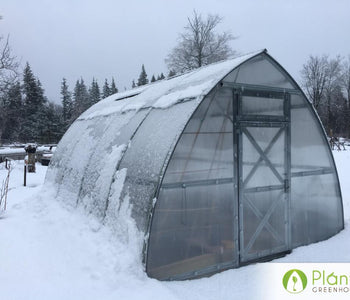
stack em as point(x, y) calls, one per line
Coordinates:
point(162, 76)
point(106, 91)
point(158, 77)
point(33, 93)
point(12, 108)
point(153, 79)
point(34, 107)
point(143, 77)
point(95, 94)
point(55, 126)
point(81, 98)
point(133, 85)
point(67, 104)
point(113, 89)
point(171, 73)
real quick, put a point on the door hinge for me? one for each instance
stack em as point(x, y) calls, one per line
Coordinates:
point(286, 185)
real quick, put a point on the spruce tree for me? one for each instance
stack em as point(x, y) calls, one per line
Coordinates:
point(81, 98)
point(162, 76)
point(143, 77)
point(13, 112)
point(33, 93)
point(34, 107)
point(55, 126)
point(113, 89)
point(95, 94)
point(106, 91)
point(133, 85)
point(67, 104)
point(153, 79)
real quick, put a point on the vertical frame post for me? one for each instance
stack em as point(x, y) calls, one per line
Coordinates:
point(236, 181)
point(287, 160)
point(25, 175)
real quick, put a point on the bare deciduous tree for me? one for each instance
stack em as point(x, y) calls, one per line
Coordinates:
point(200, 45)
point(314, 76)
point(332, 84)
point(323, 81)
point(346, 88)
point(346, 79)
point(8, 74)
point(8, 63)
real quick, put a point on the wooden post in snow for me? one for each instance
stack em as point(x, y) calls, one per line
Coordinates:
point(31, 150)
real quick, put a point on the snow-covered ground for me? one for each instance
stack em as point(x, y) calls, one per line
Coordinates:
point(48, 251)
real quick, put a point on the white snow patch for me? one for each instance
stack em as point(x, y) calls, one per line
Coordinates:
point(52, 251)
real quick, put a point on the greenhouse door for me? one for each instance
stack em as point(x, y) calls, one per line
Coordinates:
point(263, 166)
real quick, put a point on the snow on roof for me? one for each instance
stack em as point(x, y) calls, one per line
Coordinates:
point(165, 93)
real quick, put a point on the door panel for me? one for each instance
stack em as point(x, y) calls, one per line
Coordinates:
point(263, 166)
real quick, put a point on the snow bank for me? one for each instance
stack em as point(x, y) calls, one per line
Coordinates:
point(51, 251)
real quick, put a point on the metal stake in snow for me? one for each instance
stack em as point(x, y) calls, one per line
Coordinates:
point(5, 187)
point(25, 175)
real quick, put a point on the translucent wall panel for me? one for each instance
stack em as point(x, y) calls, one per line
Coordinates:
point(262, 106)
point(73, 162)
point(262, 71)
point(316, 208)
point(147, 153)
point(263, 198)
point(192, 227)
point(102, 165)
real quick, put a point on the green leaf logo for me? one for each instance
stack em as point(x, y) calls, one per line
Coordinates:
point(294, 281)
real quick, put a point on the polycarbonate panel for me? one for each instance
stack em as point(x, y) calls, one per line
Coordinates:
point(192, 227)
point(261, 235)
point(262, 106)
point(263, 197)
point(271, 141)
point(316, 207)
point(201, 157)
point(85, 172)
point(147, 153)
point(260, 70)
point(60, 161)
point(73, 173)
point(103, 163)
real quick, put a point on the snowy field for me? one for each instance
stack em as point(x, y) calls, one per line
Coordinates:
point(48, 251)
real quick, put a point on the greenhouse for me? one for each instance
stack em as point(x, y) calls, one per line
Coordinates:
point(220, 167)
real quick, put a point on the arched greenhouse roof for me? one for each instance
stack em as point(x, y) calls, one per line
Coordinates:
point(217, 167)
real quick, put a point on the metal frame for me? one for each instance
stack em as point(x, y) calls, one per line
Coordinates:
point(243, 121)
point(236, 89)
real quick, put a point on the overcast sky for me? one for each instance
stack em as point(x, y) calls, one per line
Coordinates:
point(105, 38)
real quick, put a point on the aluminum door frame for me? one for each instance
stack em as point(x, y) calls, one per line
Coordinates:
point(242, 121)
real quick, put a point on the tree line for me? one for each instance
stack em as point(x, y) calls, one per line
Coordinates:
point(27, 115)
point(326, 82)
